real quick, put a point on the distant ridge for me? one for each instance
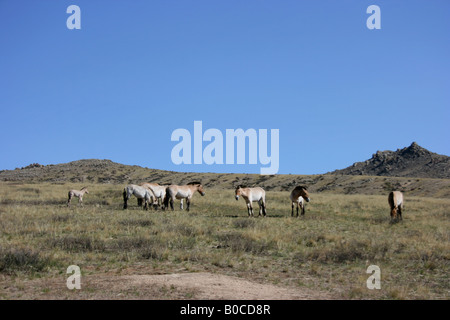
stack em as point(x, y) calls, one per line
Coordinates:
point(413, 161)
point(88, 172)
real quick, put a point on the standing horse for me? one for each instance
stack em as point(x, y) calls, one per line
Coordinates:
point(182, 192)
point(158, 191)
point(395, 200)
point(139, 192)
point(298, 195)
point(250, 195)
point(77, 193)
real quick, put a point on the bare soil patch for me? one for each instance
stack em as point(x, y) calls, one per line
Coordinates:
point(199, 286)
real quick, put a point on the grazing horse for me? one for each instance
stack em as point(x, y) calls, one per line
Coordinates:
point(298, 195)
point(182, 192)
point(77, 193)
point(140, 193)
point(158, 191)
point(250, 195)
point(395, 200)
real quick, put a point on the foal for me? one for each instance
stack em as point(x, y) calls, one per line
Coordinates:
point(77, 193)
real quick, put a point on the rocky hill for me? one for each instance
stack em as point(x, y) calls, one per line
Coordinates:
point(413, 161)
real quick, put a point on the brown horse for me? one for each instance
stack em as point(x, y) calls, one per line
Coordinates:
point(77, 193)
point(252, 194)
point(182, 192)
point(395, 200)
point(298, 195)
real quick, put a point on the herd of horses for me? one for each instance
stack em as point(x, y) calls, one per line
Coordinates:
point(155, 195)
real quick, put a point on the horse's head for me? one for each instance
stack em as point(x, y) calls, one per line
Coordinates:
point(200, 190)
point(238, 192)
point(85, 190)
point(303, 192)
point(394, 213)
point(198, 186)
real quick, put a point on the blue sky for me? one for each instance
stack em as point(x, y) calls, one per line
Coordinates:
point(138, 70)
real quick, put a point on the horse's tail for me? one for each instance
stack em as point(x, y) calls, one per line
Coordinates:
point(166, 198)
point(125, 198)
point(391, 199)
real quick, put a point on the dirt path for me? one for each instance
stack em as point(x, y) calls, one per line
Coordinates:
point(215, 286)
point(199, 286)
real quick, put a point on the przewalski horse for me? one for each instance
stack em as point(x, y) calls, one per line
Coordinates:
point(250, 195)
point(182, 192)
point(158, 191)
point(395, 200)
point(298, 196)
point(77, 193)
point(140, 193)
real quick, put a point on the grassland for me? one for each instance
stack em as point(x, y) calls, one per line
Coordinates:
point(328, 250)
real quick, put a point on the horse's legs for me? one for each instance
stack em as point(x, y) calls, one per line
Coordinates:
point(146, 202)
point(149, 203)
point(292, 209)
point(125, 199)
point(159, 202)
point(80, 200)
point(303, 209)
point(400, 212)
point(162, 203)
point(171, 203)
point(249, 209)
point(264, 208)
point(70, 198)
point(188, 203)
point(155, 203)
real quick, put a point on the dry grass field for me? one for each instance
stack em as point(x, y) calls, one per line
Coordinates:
point(324, 254)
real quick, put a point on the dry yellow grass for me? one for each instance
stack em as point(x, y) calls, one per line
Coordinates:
point(329, 249)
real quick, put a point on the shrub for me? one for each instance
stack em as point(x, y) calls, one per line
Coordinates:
point(241, 242)
point(13, 260)
point(76, 243)
point(243, 223)
point(138, 223)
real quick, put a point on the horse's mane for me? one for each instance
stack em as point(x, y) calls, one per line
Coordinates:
point(300, 187)
point(240, 186)
point(194, 182)
point(83, 188)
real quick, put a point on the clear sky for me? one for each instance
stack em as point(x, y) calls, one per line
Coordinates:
point(137, 70)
